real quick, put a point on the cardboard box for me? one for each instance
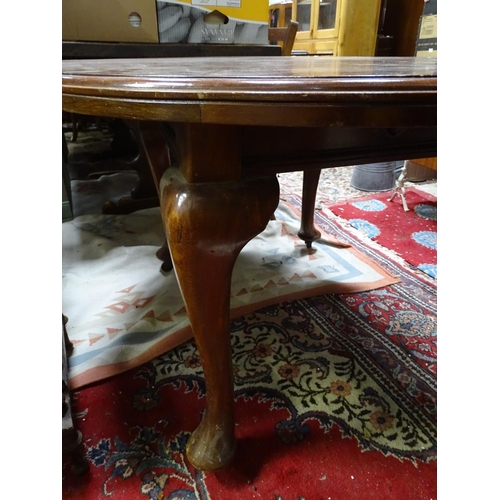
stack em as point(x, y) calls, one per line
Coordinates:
point(109, 20)
point(213, 21)
point(172, 21)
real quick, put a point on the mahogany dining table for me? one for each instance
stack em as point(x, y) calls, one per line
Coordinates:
point(216, 132)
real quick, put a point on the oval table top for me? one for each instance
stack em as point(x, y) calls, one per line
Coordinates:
point(222, 90)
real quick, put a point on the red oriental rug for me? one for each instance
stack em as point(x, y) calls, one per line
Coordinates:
point(412, 235)
point(335, 399)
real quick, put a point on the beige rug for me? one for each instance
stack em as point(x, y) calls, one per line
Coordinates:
point(124, 312)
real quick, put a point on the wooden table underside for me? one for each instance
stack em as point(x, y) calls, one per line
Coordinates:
point(232, 125)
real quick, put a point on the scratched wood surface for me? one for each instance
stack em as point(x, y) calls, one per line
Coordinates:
point(251, 91)
point(176, 77)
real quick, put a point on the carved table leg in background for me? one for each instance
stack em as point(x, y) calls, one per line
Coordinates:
point(144, 194)
point(147, 186)
point(158, 148)
point(307, 231)
point(207, 224)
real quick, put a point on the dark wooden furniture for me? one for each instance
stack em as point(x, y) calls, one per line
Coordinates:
point(401, 19)
point(144, 194)
point(124, 50)
point(71, 436)
point(233, 124)
point(285, 36)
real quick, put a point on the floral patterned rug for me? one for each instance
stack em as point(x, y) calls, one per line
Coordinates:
point(335, 398)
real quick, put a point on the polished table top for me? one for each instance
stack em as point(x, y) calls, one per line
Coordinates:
point(256, 67)
point(197, 86)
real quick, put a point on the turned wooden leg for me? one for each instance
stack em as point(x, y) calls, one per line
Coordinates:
point(307, 231)
point(207, 225)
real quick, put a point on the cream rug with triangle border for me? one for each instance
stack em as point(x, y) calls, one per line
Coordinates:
point(123, 312)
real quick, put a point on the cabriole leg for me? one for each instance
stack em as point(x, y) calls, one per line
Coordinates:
point(207, 225)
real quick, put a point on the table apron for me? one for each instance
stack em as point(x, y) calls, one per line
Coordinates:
point(290, 149)
point(292, 114)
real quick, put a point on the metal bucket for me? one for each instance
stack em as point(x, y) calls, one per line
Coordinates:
point(375, 176)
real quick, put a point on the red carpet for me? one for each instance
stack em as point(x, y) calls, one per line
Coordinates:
point(335, 398)
point(412, 235)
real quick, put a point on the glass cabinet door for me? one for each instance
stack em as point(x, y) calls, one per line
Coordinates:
point(280, 15)
point(304, 15)
point(326, 17)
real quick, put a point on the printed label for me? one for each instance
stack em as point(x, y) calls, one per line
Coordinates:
point(204, 2)
point(217, 3)
point(428, 27)
point(229, 3)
